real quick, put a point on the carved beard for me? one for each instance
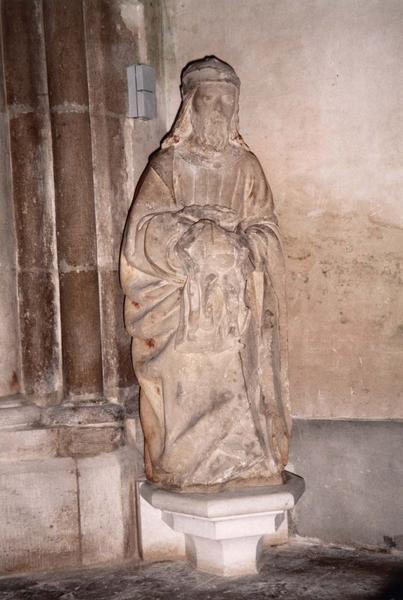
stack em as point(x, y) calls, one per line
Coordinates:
point(212, 132)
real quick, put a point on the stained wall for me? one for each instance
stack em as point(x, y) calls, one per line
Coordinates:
point(321, 107)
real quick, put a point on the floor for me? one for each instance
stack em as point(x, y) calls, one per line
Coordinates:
point(296, 572)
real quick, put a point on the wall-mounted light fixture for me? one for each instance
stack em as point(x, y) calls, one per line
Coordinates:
point(141, 88)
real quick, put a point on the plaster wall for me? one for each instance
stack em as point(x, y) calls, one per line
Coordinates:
point(321, 107)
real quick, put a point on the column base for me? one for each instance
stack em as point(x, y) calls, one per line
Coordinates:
point(16, 411)
point(220, 533)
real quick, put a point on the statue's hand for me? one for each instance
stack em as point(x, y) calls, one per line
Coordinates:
point(220, 215)
point(224, 217)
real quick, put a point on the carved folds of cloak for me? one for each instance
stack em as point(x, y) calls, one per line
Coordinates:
point(209, 343)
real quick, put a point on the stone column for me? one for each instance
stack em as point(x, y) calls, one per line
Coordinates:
point(109, 49)
point(9, 335)
point(75, 213)
point(33, 197)
point(118, 34)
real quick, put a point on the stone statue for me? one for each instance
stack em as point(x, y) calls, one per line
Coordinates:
point(203, 273)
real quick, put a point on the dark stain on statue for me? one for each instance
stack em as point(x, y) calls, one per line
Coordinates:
point(179, 392)
point(150, 342)
point(13, 383)
point(136, 304)
point(219, 401)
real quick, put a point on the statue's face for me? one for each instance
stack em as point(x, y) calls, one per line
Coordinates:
point(213, 107)
point(214, 97)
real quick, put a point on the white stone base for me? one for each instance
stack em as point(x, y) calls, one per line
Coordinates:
point(221, 533)
point(157, 540)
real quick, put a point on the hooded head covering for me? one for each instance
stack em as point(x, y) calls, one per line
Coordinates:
point(208, 69)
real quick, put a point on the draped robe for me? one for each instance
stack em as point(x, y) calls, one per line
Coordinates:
point(209, 343)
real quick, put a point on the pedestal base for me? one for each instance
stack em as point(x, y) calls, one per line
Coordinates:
point(220, 533)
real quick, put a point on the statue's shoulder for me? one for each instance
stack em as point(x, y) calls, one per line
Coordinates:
point(161, 162)
point(250, 161)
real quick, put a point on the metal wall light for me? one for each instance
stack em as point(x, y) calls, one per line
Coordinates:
point(141, 88)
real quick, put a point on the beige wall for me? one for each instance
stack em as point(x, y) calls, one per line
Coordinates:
point(321, 106)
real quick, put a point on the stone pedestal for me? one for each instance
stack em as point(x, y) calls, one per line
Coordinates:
point(221, 533)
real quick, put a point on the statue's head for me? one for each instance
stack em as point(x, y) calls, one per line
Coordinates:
point(209, 109)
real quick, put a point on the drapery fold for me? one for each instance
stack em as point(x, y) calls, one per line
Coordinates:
point(205, 305)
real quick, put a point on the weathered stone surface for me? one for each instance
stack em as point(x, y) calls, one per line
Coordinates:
point(39, 335)
point(51, 188)
point(117, 35)
point(15, 411)
point(104, 526)
point(82, 367)
point(28, 444)
point(117, 365)
point(88, 441)
point(106, 57)
point(81, 414)
point(9, 354)
point(39, 517)
point(61, 511)
point(31, 156)
point(3, 103)
point(110, 178)
point(9, 334)
point(64, 29)
point(354, 480)
point(131, 469)
point(75, 213)
point(203, 273)
point(23, 39)
point(33, 198)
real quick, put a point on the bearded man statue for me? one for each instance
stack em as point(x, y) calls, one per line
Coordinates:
point(203, 273)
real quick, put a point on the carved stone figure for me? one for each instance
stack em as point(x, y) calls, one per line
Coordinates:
point(203, 273)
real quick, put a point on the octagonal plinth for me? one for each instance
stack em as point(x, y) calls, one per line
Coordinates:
point(221, 533)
